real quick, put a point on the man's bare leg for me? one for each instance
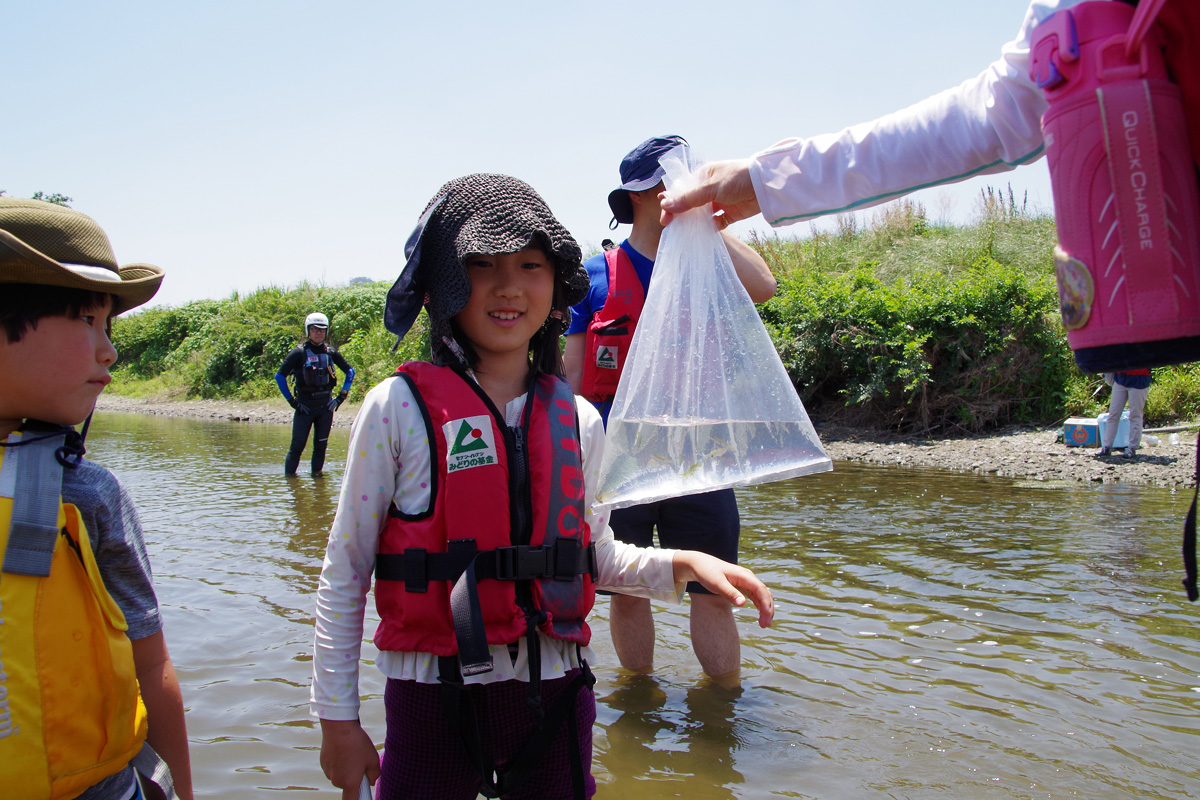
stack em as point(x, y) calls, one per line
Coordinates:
point(715, 638)
point(632, 625)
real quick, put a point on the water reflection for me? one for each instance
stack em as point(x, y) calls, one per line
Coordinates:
point(314, 501)
point(939, 635)
point(643, 724)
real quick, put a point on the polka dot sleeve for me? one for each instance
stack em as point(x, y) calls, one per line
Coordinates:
point(388, 459)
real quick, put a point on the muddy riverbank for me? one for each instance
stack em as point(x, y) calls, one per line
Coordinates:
point(1020, 452)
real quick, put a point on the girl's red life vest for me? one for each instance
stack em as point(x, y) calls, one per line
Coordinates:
point(478, 494)
point(610, 332)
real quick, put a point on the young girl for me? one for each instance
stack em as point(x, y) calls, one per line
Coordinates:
point(468, 498)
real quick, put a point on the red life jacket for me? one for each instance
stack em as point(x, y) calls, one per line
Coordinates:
point(611, 329)
point(508, 501)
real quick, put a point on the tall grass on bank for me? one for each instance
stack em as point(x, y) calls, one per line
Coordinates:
point(931, 351)
point(915, 326)
point(895, 322)
point(904, 323)
point(231, 348)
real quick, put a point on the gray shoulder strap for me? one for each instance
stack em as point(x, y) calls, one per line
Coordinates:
point(33, 531)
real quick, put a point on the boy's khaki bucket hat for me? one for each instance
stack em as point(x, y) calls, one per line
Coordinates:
point(52, 245)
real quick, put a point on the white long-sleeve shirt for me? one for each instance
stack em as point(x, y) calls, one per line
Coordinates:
point(988, 124)
point(388, 462)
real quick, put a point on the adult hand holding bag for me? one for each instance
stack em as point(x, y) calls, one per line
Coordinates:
point(704, 402)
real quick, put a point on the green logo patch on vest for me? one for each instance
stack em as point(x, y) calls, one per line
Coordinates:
point(606, 357)
point(470, 443)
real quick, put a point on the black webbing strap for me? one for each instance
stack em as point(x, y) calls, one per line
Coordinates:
point(459, 706)
point(497, 782)
point(416, 567)
point(579, 774)
point(533, 646)
point(1189, 536)
point(467, 615)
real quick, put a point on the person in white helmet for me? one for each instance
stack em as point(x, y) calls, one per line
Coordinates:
point(311, 367)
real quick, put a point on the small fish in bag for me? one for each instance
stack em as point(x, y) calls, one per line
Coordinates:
point(704, 402)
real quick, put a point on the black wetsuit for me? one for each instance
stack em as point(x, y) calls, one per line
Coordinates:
point(309, 366)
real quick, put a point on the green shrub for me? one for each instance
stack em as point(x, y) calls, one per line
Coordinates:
point(146, 340)
point(370, 353)
point(896, 322)
point(232, 347)
point(929, 351)
point(354, 309)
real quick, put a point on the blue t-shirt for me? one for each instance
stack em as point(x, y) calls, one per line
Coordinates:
point(597, 296)
point(1132, 381)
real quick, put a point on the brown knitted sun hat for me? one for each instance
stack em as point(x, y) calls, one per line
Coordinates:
point(480, 213)
point(52, 245)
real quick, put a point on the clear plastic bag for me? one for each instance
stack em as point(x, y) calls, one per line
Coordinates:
point(704, 402)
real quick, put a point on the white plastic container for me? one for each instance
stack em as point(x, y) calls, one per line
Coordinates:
point(1122, 440)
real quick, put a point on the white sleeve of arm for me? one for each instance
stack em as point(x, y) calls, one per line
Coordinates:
point(624, 568)
point(368, 486)
point(988, 124)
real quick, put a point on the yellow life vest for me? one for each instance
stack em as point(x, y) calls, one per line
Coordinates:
point(70, 710)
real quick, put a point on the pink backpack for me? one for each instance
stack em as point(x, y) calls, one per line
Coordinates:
point(1124, 179)
point(1179, 24)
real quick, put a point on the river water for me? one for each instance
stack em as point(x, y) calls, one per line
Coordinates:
point(938, 635)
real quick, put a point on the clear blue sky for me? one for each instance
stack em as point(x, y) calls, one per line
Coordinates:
point(244, 144)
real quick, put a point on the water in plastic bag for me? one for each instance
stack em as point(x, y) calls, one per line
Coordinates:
point(704, 402)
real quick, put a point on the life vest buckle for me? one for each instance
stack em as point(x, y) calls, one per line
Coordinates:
point(521, 563)
point(566, 559)
point(415, 565)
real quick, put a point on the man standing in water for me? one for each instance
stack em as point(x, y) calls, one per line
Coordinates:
point(310, 365)
point(594, 358)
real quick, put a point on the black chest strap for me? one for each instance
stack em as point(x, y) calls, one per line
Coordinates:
point(416, 566)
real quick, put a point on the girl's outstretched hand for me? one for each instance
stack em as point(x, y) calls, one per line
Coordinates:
point(732, 582)
point(347, 753)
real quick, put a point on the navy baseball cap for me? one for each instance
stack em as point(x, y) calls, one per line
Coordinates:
point(640, 170)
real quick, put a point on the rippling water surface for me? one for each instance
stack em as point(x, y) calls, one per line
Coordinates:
point(938, 635)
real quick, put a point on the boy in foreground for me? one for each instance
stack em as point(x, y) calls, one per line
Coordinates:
point(89, 696)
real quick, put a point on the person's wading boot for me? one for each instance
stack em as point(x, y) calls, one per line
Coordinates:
point(320, 443)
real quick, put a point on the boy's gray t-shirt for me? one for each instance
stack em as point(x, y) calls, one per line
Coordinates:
point(116, 536)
